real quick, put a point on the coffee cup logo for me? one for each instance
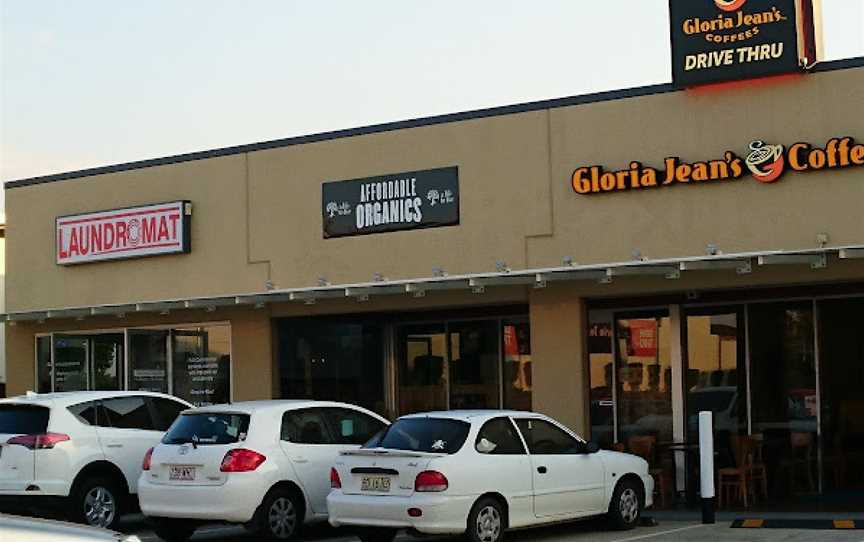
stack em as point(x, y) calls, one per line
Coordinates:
point(730, 5)
point(766, 162)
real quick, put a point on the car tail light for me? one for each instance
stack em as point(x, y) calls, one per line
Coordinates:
point(44, 441)
point(147, 457)
point(430, 481)
point(241, 460)
point(335, 481)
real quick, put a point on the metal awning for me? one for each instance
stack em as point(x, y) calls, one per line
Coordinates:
point(671, 269)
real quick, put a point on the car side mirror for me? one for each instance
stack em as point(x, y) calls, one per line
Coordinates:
point(592, 448)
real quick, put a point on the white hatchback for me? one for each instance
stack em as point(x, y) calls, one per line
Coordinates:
point(80, 450)
point(480, 473)
point(265, 464)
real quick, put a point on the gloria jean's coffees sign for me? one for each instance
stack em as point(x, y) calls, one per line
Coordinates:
point(765, 162)
point(720, 40)
point(149, 230)
point(402, 201)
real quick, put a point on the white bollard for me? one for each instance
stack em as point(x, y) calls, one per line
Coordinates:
point(706, 465)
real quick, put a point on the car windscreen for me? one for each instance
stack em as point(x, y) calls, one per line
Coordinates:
point(208, 428)
point(23, 419)
point(435, 435)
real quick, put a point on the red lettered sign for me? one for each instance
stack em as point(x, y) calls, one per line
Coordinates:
point(643, 338)
point(133, 232)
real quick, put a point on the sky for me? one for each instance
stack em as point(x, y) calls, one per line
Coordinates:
point(96, 82)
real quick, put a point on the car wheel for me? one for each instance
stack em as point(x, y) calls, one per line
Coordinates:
point(486, 521)
point(174, 530)
point(380, 534)
point(97, 502)
point(626, 506)
point(280, 515)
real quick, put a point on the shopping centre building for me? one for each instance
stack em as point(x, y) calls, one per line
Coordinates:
point(619, 261)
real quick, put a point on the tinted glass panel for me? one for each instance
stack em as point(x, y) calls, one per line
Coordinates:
point(107, 361)
point(474, 364)
point(644, 371)
point(544, 438)
point(602, 380)
point(208, 428)
point(165, 411)
point(350, 426)
point(70, 365)
point(436, 435)
point(517, 365)
point(782, 354)
point(86, 412)
point(128, 413)
point(201, 364)
point(148, 361)
point(331, 360)
point(500, 438)
point(306, 427)
point(44, 367)
point(422, 368)
point(23, 419)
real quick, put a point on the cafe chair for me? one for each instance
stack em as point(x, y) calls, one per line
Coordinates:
point(646, 448)
point(739, 482)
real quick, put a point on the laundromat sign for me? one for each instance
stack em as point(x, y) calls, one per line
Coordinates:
point(765, 162)
point(132, 232)
point(720, 40)
point(401, 201)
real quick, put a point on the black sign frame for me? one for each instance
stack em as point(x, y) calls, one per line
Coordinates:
point(760, 38)
point(408, 200)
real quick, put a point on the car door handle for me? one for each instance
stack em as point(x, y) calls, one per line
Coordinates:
point(541, 470)
point(113, 445)
point(299, 460)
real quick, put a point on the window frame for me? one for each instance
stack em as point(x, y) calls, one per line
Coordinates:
point(328, 411)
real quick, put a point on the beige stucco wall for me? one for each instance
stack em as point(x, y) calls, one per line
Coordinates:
point(257, 215)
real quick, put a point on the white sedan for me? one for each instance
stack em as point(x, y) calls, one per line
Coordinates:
point(264, 464)
point(480, 473)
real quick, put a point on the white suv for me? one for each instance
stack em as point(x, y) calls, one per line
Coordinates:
point(81, 450)
point(265, 464)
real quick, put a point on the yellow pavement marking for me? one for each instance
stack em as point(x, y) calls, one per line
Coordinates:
point(844, 524)
point(753, 523)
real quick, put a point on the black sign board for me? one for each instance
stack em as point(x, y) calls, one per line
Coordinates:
point(401, 201)
point(722, 40)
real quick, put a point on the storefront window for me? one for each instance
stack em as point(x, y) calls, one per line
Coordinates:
point(784, 395)
point(841, 370)
point(201, 364)
point(148, 360)
point(70, 362)
point(600, 362)
point(332, 360)
point(474, 364)
point(644, 378)
point(107, 361)
point(423, 368)
point(517, 365)
point(44, 369)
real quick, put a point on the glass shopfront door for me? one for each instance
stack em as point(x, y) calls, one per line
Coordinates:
point(423, 368)
point(88, 362)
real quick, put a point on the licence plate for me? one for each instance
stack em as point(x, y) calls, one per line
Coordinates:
point(380, 484)
point(181, 472)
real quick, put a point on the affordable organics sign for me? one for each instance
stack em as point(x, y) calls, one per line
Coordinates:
point(124, 233)
point(765, 162)
point(401, 201)
point(719, 40)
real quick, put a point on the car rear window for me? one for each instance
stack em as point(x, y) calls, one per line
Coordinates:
point(23, 419)
point(435, 435)
point(208, 428)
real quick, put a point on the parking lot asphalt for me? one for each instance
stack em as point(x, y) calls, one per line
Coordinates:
point(593, 531)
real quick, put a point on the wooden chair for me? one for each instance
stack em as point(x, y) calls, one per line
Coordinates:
point(802, 451)
point(646, 448)
point(733, 481)
point(757, 474)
